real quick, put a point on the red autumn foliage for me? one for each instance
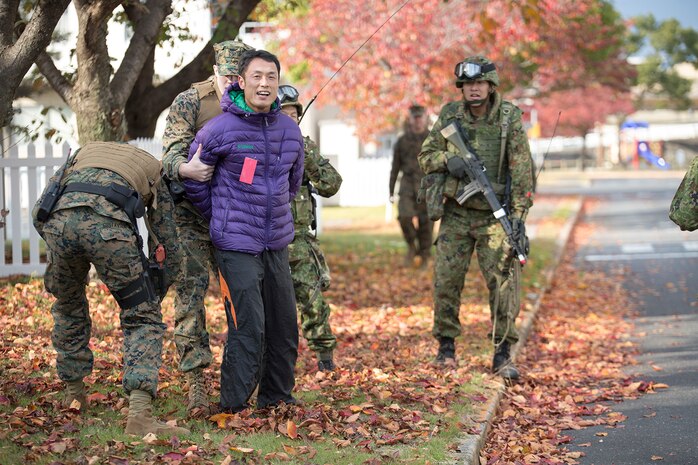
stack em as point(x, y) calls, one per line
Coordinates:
point(539, 45)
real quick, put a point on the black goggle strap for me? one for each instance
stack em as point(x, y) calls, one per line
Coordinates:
point(287, 93)
point(472, 70)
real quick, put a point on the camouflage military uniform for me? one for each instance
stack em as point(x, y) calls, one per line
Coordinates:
point(405, 154)
point(188, 113)
point(684, 206)
point(472, 227)
point(85, 229)
point(308, 268)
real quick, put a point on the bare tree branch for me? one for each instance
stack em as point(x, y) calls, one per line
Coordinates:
point(55, 78)
point(140, 48)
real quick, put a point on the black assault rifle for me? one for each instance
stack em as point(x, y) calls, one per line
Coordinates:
point(480, 183)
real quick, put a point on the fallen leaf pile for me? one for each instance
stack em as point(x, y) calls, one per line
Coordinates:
point(572, 365)
point(386, 392)
point(387, 397)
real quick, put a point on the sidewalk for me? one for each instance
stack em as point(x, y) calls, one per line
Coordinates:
point(480, 421)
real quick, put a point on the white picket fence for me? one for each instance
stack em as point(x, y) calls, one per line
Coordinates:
point(26, 168)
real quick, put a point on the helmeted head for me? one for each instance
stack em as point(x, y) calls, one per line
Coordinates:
point(288, 96)
point(476, 68)
point(228, 55)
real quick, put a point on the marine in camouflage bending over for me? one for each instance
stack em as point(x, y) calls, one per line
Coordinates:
point(684, 205)
point(495, 131)
point(188, 113)
point(105, 187)
point(309, 270)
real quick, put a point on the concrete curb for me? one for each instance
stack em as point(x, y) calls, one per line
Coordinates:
point(470, 446)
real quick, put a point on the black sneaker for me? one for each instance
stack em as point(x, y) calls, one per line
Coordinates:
point(447, 352)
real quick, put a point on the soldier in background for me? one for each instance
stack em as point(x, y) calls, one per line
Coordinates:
point(93, 221)
point(309, 270)
point(684, 205)
point(407, 147)
point(188, 113)
point(495, 130)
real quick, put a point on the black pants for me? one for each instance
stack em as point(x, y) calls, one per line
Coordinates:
point(262, 344)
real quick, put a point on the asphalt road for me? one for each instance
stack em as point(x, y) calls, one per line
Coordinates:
point(634, 240)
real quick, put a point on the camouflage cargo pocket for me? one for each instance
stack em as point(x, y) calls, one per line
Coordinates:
point(296, 252)
point(431, 190)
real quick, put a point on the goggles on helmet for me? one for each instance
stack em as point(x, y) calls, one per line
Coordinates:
point(287, 93)
point(466, 70)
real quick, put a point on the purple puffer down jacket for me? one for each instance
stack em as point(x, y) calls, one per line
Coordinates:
point(248, 217)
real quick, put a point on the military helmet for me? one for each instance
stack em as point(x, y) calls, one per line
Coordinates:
point(476, 67)
point(288, 96)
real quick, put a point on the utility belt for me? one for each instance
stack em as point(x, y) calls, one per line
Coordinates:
point(152, 284)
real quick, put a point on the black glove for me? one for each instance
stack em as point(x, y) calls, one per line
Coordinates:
point(456, 167)
point(520, 237)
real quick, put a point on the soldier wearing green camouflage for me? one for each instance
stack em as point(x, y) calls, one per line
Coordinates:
point(405, 153)
point(496, 133)
point(85, 227)
point(309, 270)
point(188, 113)
point(684, 206)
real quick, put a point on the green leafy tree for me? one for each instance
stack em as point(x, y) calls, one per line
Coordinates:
point(663, 45)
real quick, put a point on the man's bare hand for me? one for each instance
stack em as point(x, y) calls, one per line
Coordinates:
point(195, 169)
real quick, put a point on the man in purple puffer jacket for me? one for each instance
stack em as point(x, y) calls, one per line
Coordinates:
point(257, 152)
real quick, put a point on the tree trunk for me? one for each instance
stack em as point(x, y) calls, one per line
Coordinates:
point(32, 38)
point(147, 101)
point(141, 118)
point(98, 117)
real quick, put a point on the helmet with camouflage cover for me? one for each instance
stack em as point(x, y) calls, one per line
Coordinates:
point(475, 68)
point(228, 55)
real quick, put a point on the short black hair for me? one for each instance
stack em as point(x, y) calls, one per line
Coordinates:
point(417, 110)
point(250, 55)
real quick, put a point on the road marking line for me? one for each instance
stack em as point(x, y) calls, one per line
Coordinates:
point(637, 248)
point(647, 256)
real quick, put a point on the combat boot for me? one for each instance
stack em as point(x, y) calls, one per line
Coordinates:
point(198, 398)
point(502, 364)
point(325, 362)
point(447, 352)
point(75, 390)
point(141, 421)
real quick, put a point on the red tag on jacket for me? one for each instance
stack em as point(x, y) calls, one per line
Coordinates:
point(248, 168)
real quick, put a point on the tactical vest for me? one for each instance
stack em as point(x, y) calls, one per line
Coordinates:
point(139, 168)
point(489, 141)
point(209, 101)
